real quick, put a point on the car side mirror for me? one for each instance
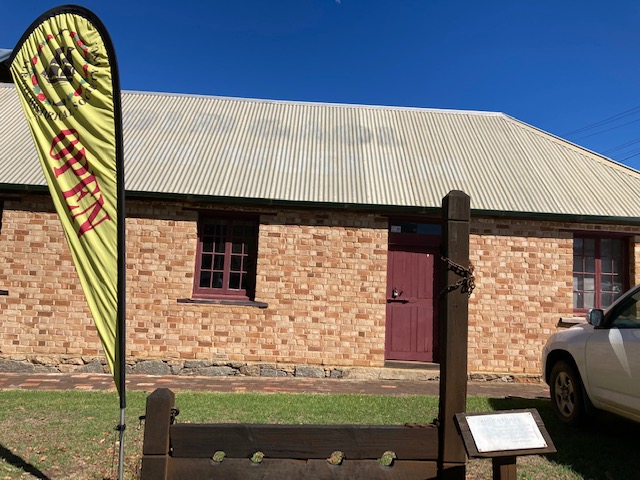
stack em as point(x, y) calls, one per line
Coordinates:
point(595, 317)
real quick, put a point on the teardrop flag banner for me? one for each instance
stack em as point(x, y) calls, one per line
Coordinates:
point(65, 72)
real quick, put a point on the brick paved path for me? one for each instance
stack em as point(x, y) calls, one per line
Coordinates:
point(87, 381)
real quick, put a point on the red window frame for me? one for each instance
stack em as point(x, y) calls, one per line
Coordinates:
point(600, 270)
point(226, 258)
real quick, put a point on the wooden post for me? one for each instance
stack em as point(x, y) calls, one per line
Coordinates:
point(453, 313)
point(504, 468)
point(155, 449)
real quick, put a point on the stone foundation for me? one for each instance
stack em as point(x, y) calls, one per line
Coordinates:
point(45, 364)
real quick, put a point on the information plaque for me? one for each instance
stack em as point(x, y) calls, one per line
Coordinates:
point(505, 431)
point(508, 433)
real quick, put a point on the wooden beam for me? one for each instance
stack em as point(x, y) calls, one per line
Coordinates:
point(274, 469)
point(304, 441)
point(453, 314)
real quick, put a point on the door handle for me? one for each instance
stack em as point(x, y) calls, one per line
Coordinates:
point(395, 296)
point(395, 293)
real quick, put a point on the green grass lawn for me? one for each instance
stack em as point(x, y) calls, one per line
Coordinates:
point(70, 434)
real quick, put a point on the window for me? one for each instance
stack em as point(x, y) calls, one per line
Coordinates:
point(628, 313)
point(408, 233)
point(417, 228)
point(599, 271)
point(226, 258)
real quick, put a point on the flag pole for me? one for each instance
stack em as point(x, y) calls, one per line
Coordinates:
point(122, 267)
point(121, 428)
point(122, 316)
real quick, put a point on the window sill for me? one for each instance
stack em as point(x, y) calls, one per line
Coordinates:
point(566, 322)
point(224, 301)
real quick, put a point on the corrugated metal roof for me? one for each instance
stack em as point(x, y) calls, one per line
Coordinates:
point(343, 154)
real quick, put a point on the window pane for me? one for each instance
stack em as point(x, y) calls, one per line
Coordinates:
point(236, 263)
point(578, 245)
point(205, 279)
point(589, 247)
point(577, 264)
point(606, 247)
point(234, 281)
point(589, 283)
point(236, 248)
point(429, 229)
point(617, 247)
point(606, 292)
point(618, 286)
point(578, 282)
point(217, 280)
point(590, 265)
point(219, 248)
point(589, 298)
point(577, 300)
point(207, 244)
point(413, 227)
point(238, 231)
point(617, 265)
point(206, 261)
point(218, 262)
point(250, 246)
point(606, 299)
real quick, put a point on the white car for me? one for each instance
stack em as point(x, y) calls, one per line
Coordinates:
point(597, 364)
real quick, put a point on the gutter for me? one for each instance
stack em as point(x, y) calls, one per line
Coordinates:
point(387, 210)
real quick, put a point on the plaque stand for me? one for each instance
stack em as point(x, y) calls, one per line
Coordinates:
point(504, 436)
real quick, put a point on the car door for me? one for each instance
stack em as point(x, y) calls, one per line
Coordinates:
point(613, 358)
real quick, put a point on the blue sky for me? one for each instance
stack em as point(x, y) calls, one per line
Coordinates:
point(560, 66)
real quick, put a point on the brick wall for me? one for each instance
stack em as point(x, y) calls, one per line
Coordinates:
point(43, 312)
point(324, 278)
point(524, 276)
point(322, 275)
point(524, 285)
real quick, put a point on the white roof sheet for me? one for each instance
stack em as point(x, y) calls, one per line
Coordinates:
point(342, 154)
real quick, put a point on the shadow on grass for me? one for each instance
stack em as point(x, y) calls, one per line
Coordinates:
point(605, 447)
point(18, 462)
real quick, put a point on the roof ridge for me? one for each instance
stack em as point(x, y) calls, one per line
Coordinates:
point(305, 102)
point(313, 103)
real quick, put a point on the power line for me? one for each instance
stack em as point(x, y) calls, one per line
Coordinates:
point(608, 129)
point(620, 147)
point(637, 152)
point(613, 118)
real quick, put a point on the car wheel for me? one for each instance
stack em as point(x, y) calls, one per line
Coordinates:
point(566, 393)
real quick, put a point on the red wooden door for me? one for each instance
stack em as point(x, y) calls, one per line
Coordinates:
point(411, 329)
